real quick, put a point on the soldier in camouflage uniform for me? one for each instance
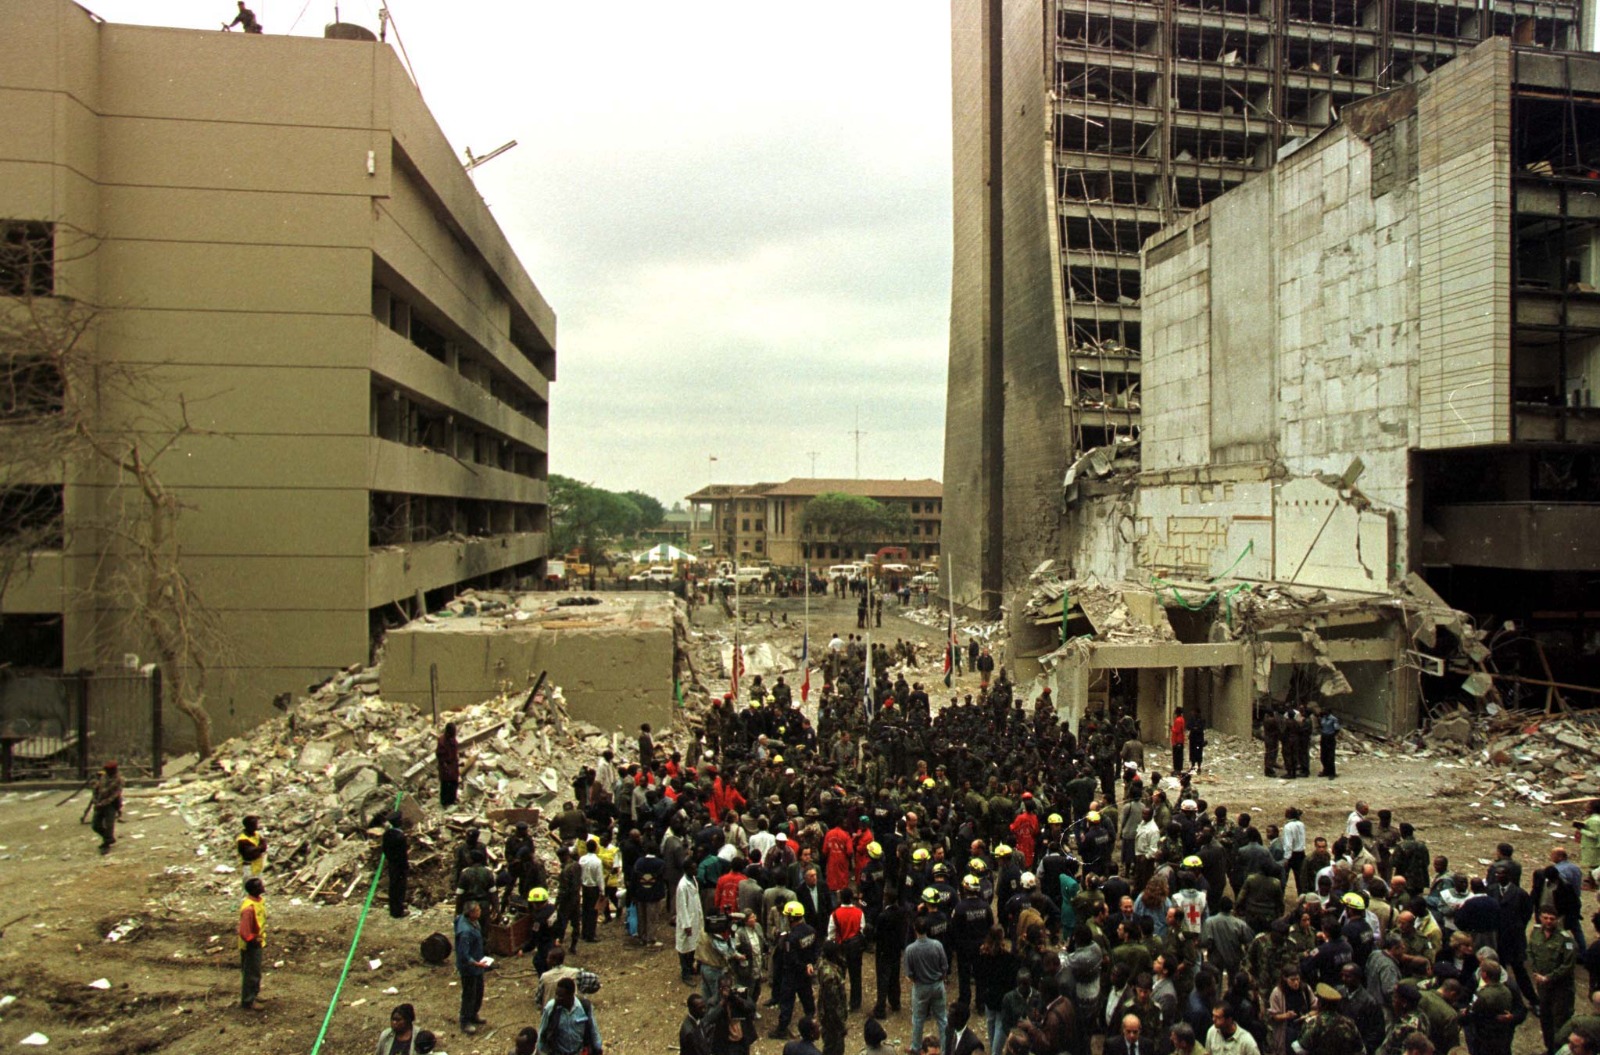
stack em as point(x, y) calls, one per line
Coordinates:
point(1327, 1032)
point(1267, 955)
point(1407, 1020)
point(833, 999)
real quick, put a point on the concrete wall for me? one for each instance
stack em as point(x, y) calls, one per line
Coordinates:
point(1005, 422)
point(1295, 355)
point(971, 435)
point(613, 664)
point(1464, 181)
point(1035, 417)
point(235, 266)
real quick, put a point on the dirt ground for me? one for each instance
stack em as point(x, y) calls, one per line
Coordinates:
point(174, 980)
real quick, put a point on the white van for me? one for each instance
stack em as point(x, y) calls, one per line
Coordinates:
point(844, 571)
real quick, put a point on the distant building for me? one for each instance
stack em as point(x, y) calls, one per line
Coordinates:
point(287, 240)
point(763, 522)
point(674, 528)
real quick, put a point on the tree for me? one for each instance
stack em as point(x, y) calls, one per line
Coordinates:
point(651, 512)
point(584, 515)
point(68, 414)
point(855, 520)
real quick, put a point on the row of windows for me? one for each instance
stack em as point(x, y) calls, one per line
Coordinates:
point(396, 416)
point(394, 519)
point(471, 362)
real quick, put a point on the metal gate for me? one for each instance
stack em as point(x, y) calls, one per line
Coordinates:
point(65, 726)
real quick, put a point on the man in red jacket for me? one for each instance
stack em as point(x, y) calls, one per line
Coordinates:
point(838, 852)
point(1177, 741)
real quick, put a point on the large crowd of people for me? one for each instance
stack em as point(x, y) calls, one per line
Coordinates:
point(1009, 885)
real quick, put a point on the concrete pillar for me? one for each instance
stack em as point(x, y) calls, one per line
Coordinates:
point(1069, 686)
point(1152, 709)
point(1234, 702)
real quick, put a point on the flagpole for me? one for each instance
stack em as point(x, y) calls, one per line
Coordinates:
point(805, 638)
point(950, 629)
point(738, 664)
point(868, 702)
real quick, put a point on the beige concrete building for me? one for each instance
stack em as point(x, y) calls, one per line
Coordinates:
point(764, 522)
point(1368, 393)
point(283, 237)
point(1080, 129)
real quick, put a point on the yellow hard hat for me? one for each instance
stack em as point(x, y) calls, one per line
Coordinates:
point(874, 849)
point(1054, 818)
point(1193, 862)
point(1093, 816)
point(538, 895)
point(777, 760)
point(920, 855)
point(794, 908)
point(1002, 850)
point(978, 866)
point(930, 896)
point(1353, 900)
point(927, 782)
point(972, 883)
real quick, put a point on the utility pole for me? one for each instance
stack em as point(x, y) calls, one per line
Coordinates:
point(857, 433)
point(813, 456)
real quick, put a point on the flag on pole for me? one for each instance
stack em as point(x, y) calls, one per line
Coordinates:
point(805, 665)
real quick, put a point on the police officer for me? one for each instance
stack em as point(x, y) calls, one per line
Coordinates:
point(969, 925)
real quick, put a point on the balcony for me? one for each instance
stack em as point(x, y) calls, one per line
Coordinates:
point(395, 572)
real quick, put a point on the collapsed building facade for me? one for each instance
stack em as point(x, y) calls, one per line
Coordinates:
point(1368, 424)
point(1080, 129)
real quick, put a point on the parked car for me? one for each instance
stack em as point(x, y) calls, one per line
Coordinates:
point(927, 578)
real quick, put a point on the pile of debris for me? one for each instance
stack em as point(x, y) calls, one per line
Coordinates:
point(323, 777)
point(1545, 759)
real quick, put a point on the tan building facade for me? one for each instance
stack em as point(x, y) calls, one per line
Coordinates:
point(282, 239)
point(765, 521)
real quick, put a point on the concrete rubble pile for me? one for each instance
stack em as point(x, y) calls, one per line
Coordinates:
point(1544, 759)
point(938, 617)
point(323, 777)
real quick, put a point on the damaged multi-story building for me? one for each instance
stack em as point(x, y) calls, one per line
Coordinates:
point(1080, 129)
point(274, 235)
point(1368, 423)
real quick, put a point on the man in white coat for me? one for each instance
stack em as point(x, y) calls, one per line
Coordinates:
point(691, 922)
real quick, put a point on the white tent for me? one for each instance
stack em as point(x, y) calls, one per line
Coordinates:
point(662, 553)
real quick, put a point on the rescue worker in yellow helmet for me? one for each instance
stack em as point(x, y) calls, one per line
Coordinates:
point(796, 959)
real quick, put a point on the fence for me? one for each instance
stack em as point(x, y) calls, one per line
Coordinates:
point(64, 726)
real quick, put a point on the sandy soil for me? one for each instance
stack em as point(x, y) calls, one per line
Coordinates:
point(174, 980)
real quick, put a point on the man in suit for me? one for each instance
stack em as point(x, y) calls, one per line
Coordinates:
point(1129, 1041)
point(963, 1039)
point(817, 900)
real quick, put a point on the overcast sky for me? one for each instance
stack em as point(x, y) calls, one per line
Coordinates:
point(740, 212)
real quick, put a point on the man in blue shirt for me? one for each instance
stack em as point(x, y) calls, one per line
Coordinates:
point(927, 966)
point(1330, 735)
point(470, 965)
point(568, 1025)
